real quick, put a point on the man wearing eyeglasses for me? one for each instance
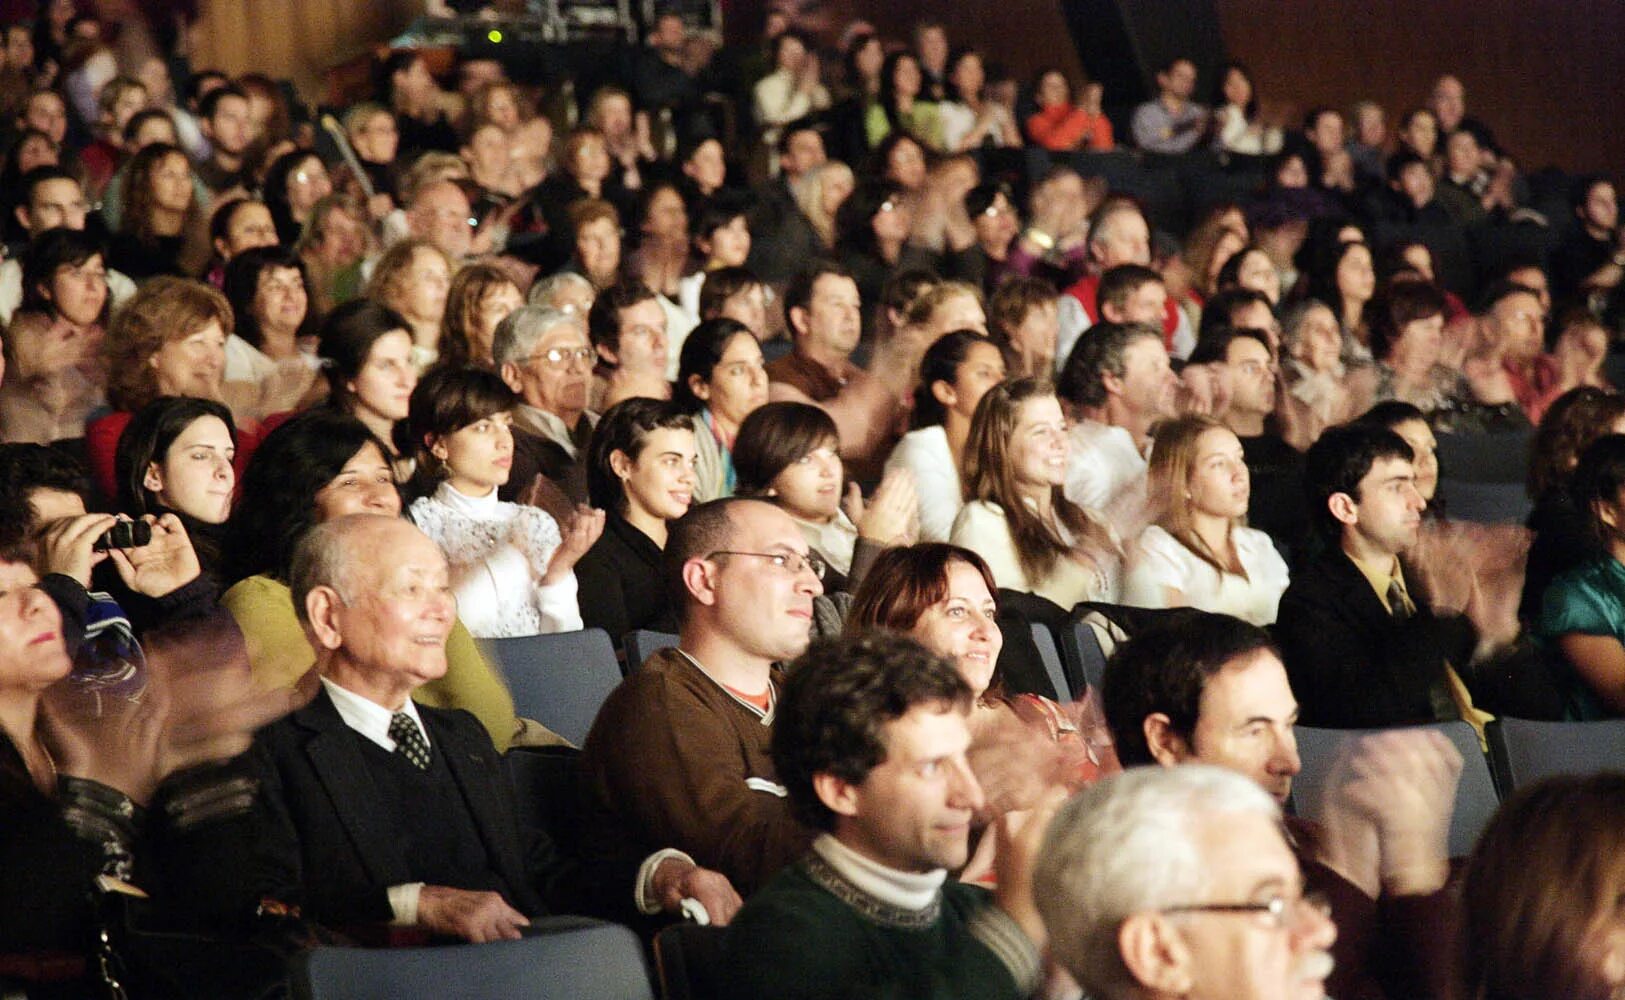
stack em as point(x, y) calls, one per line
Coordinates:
point(1211, 689)
point(1179, 883)
point(680, 755)
point(544, 356)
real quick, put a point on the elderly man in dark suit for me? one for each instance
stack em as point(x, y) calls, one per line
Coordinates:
point(377, 810)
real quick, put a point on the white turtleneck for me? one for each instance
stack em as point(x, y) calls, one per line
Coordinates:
point(498, 552)
point(905, 890)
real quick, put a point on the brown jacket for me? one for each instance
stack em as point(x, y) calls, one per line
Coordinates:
point(673, 760)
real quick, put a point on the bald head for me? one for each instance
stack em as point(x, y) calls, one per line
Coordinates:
point(331, 555)
point(440, 213)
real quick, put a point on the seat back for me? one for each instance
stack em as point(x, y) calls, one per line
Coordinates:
point(581, 960)
point(1080, 651)
point(1502, 457)
point(544, 785)
point(1487, 503)
point(686, 961)
point(559, 680)
point(1526, 751)
point(641, 642)
point(1044, 641)
point(1476, 797)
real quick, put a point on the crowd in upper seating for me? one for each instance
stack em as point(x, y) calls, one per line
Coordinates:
point(865, 372)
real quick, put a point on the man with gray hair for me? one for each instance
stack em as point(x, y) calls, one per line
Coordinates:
point(377, 810)
point(1118, 235)
point(1179, 883)
point(544, 355)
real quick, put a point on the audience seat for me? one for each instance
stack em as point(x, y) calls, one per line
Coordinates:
point(562, 958)
point(686, 957)
point(1476, 797)
point(1525, 751)
point(559, 680)
point(1080, 650)
point(544, 785)
point(640, 643)
point(1485, 458)
point(1044, 642)
point(1489, 503)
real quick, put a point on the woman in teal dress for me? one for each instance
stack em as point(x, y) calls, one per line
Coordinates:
point(1583, 613)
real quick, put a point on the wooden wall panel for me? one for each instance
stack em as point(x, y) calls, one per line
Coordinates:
point(297, 39)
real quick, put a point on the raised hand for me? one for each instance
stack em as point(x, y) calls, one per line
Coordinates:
point(163, 565)
point(68, 545)
point(579, 535)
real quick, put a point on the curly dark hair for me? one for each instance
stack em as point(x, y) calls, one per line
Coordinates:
point(1165, 670)
point(841, 694)
point(1573, 421)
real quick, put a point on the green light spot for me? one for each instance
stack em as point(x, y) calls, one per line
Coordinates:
point(495, 36)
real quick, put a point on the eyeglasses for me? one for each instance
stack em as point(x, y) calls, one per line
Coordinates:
point(558, 357)
point(1278, 910)
point(795, 562)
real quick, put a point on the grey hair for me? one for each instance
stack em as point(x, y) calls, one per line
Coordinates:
point(1127, 845)
point(323, 559)
point(542, 292)
point(1292, 321)
point(516, 335)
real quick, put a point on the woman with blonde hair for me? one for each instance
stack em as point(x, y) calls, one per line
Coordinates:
point(819, 193)
point(413, 278)
point(1198, 553)
point(1016, 516)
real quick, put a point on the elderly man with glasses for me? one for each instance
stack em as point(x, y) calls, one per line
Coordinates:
point(543, 354)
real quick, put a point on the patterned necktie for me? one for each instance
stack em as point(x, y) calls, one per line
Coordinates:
point(409, 741)
point(1399, 604)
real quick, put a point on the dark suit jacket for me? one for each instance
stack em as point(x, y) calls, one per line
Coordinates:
point(323, 842)
point(1351, 663)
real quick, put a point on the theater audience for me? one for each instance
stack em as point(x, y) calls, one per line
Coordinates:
point(1199, 554)
point(51, 198)
point(267, 367)
point(627, 324)
point(1510, 371)
point(721, 380)
point(512, 566)
point(1034, 538)
point(159, 231)
point(1061, 126)
point(958, 369)
point(55, 340)
point(640, 473)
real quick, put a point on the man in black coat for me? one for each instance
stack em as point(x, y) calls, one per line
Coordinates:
point(1363, 646)
point(376, 810)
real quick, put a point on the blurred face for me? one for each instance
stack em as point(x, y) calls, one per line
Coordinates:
point(667, 217)
point(1421, 133)
point(19, 46)
point(398, 623)
point(557, 384)
point(591, 160)
point(832, 320)
point(1292, 173)
point(441, 215)
point(493, 307)
point(1328, 133)
point(614, 117)
point(172, 183)
point(1416, 183)
point(871, 58)
point(1052, 90)
point(1534, 278)
point(1036, 336)
point(906, 78)
point(738, 383)
point(78, 292)
point(1219, 485)
point(836, 186)
point(660, 483)
point(192, 365)
point(1370, 126)
point(598, 245)
point(478, 457)
point(1038, 448)
point(961, 312)
point(37, 151)
point(982, 369)
point(996, 226)
point(49, 114)
point(195, 475)
point(810, 487)
point(729, 245)
point(250, 227)
point(378, 140)
point(1127, 240)
point(804, 151)
point(749, 307)
point(230, 127)
point(1320, 341)
point(365, 485)
point(1520, 324)
point(1419, 436)
point(1461, 154)
point(155, 130)
point(1238, 90)
point(1180, 80)
point(969, 76)
point(1388, 508)
point(56, 203)
point(707, 166)
point(906, 166)
point(1449, 101)
point(962, 626)
point(934, 48)
point(1258, 273)
point(32, 653)
point(383, 389)
point(501, 109)
point(343, 241)
point(1419, 259)
point(1601, 207)
point(1252, 376)
point(1148, 385)
point(643, 343)
point(424, 286)
point(1417, 346)
point(488, 152)
point(1244, 722)
point(307, 185)
point(913, 811)
point(1355, 278)
point(280, 301)
point(1146, 304)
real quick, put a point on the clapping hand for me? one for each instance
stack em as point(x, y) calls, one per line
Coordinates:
point(580, 534)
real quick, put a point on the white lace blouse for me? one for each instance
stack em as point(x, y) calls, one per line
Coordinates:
point(498, 552)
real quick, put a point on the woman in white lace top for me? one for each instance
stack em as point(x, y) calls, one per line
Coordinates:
point(512, 569)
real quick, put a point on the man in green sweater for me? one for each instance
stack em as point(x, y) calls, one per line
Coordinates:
point(870, 744)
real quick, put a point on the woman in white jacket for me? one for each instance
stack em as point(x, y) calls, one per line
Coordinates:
point(511, 567)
